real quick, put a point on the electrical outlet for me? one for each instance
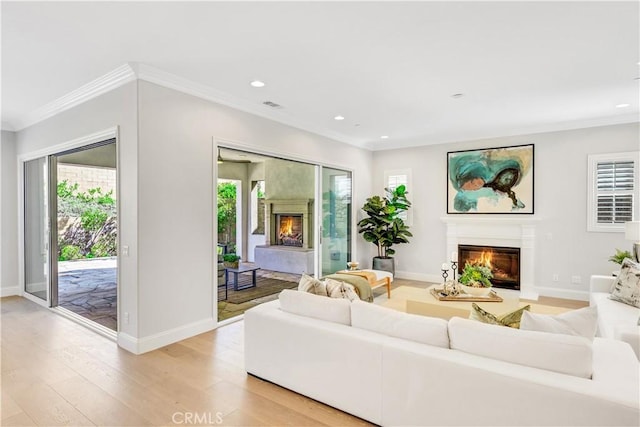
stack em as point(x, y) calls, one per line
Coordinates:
point(556, 278)
point(125, 250)
point(576, 280)
point(126, 318)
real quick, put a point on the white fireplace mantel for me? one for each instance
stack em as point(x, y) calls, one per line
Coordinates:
point(512, 231)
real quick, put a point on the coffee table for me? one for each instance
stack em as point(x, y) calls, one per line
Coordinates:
point(420, 301)
point(237, 271)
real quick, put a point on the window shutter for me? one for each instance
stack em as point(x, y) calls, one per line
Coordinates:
point(615, 181)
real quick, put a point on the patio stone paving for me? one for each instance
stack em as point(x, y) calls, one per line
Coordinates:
point(88, 288)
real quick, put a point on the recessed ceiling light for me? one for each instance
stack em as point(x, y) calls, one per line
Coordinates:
point(457, 95)
point(338, 118)
point(384, 137)
point(622, 105)
point(257, 83)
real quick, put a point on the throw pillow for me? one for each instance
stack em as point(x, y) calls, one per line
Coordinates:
point(582, 322)
point(312, 285)
point(338, 289)
point(511, 319)
point(626, 288)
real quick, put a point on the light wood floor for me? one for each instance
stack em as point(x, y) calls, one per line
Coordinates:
point(56, 372)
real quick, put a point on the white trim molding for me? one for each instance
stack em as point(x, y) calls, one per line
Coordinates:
point(517, 232)
point(138, 71)
point(153, 342)
point(9, 291)
point(593, 193)
point(112, 80)
point(181, 84)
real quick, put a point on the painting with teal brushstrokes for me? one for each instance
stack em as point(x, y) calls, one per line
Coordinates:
point(492, 180)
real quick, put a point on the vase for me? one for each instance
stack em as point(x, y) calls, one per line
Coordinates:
point(384, 264)
point(476, 292)
point(230, 264)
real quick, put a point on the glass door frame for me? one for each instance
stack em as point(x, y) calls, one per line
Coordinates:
point(45, 219)
point(49, 153)
point(320, 213)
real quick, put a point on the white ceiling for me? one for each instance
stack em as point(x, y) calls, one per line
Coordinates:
point(389, 68)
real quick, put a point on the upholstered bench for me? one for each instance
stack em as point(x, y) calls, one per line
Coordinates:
point(375, 278)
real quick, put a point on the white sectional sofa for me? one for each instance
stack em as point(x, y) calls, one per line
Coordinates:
point(616, 320)
point(393, 368)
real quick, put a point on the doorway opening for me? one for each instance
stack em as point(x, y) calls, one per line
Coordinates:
point(291, 218)
point(87, 233)
point(71, 234)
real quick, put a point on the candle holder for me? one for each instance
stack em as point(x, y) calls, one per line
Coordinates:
point(445, 274)
point(454, 266)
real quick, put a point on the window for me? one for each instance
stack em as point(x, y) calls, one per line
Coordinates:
point(394, 178)
point(613, 197)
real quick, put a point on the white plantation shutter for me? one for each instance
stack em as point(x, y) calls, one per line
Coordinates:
point(615, 190)
point(615, 185)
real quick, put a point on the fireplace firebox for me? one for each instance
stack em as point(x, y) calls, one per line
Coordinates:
point(503, 261)
point(289, 230)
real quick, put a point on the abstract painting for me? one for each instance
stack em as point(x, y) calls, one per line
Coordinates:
point(493, 180)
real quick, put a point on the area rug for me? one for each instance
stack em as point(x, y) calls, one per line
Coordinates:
point(264, 287)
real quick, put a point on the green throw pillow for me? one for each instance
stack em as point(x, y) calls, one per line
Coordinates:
point(511, 319)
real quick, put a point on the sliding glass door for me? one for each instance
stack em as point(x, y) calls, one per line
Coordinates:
point(36, 229)
point(336, 220)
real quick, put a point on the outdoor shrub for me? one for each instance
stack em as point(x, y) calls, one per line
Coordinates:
point(105, 246)
point(93, 219)
point(70, 252)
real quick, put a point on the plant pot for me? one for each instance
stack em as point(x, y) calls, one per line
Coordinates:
point(233, 264)
point(476, 292)
point(384, 264)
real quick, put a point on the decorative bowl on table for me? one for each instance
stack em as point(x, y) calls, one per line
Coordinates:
point(482, 291)
point(353, 265)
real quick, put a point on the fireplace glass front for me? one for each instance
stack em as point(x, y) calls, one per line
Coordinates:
point(504, 263)
point(289, 230)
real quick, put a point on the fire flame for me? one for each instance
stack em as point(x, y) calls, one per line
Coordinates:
point(485, 258)
point(286, 226)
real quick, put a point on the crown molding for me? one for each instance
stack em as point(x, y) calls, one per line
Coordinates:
point(134, 71)
point(154, 75)
point(112, 80)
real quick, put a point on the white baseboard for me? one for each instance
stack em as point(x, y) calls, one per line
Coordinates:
point(563, 293)
point(10, 291)
point(153, 342)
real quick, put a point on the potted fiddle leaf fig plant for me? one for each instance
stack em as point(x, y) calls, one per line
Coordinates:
point(383, 225)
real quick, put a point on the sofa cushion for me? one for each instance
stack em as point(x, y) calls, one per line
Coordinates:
point(312, 285)
point(511, 319)
point(338, 289)
point(422, 329)
point(566, 354)
point(582, 322)
point(305, 304)
point(626, 288)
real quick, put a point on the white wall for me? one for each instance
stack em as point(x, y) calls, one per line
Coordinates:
point(563, 245)
point(8, 216)
point(176, 172)
point(115, 108)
